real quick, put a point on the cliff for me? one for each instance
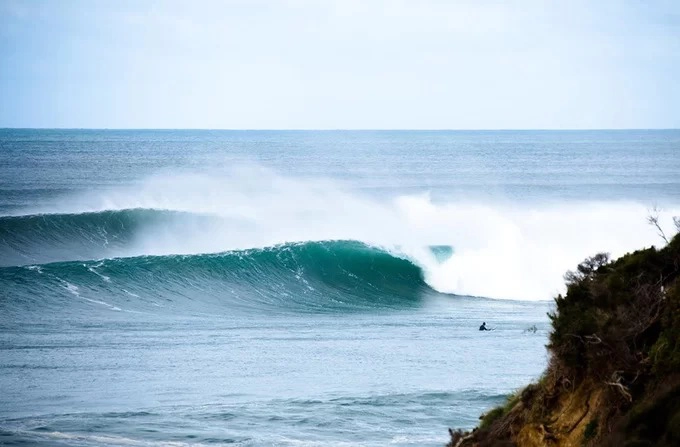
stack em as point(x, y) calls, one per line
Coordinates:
point(613, 378)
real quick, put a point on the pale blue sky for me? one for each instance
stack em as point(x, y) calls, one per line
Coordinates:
point(428, 64)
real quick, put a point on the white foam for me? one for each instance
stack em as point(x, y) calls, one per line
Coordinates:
point(71, 288)
point(92, 270)
point(103, 303)
point(417, 440)
point(501, 250)
point(75, 291)
point(311, 443)
point(115, 440)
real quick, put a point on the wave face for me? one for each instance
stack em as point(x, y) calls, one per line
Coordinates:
point(307, 277)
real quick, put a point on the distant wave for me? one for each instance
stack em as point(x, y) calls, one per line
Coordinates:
point(52, 237)
point(311, 276)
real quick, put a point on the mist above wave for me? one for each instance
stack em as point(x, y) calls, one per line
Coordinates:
point(499, 250)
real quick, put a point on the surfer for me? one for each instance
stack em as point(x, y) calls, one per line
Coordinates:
point(483, 327)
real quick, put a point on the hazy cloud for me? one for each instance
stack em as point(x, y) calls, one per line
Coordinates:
point(340, 64)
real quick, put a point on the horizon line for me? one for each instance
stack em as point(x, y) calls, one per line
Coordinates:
point(349, 129)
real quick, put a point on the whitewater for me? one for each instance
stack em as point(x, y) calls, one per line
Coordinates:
point(297, 288)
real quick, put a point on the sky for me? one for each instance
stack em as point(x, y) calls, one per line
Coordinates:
point(340, 64)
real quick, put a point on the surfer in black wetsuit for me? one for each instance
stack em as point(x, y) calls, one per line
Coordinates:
point(483, 327)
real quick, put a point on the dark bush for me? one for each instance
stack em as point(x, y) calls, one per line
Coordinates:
point(612, 315)
point(590, 431)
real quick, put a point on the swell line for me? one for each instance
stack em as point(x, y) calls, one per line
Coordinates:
point(306, 276)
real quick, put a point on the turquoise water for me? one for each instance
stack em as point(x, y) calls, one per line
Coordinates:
point(265, 288)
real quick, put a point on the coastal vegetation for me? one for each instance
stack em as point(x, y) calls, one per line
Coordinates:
point(613, 377)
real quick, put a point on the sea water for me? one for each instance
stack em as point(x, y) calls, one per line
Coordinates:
point(270, 288)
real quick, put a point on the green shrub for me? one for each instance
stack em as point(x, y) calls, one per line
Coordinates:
point(615, 313)
point(656, 419)
point(491, 416)
point(665, 353)
point(590, 431)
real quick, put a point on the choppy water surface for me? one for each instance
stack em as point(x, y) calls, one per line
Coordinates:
point(296, 288)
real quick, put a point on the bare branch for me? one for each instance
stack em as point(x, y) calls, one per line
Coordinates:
point(593, 339)
point(616, 383)
point(622, 389)
point(653, 220)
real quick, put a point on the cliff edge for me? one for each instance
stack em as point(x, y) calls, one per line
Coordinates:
point(613, 378)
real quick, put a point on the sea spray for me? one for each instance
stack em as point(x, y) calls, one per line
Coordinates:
point(499, 250)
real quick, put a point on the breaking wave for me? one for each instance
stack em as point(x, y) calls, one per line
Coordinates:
point(496, 250)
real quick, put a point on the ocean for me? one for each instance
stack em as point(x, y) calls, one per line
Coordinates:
point(297, 288)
